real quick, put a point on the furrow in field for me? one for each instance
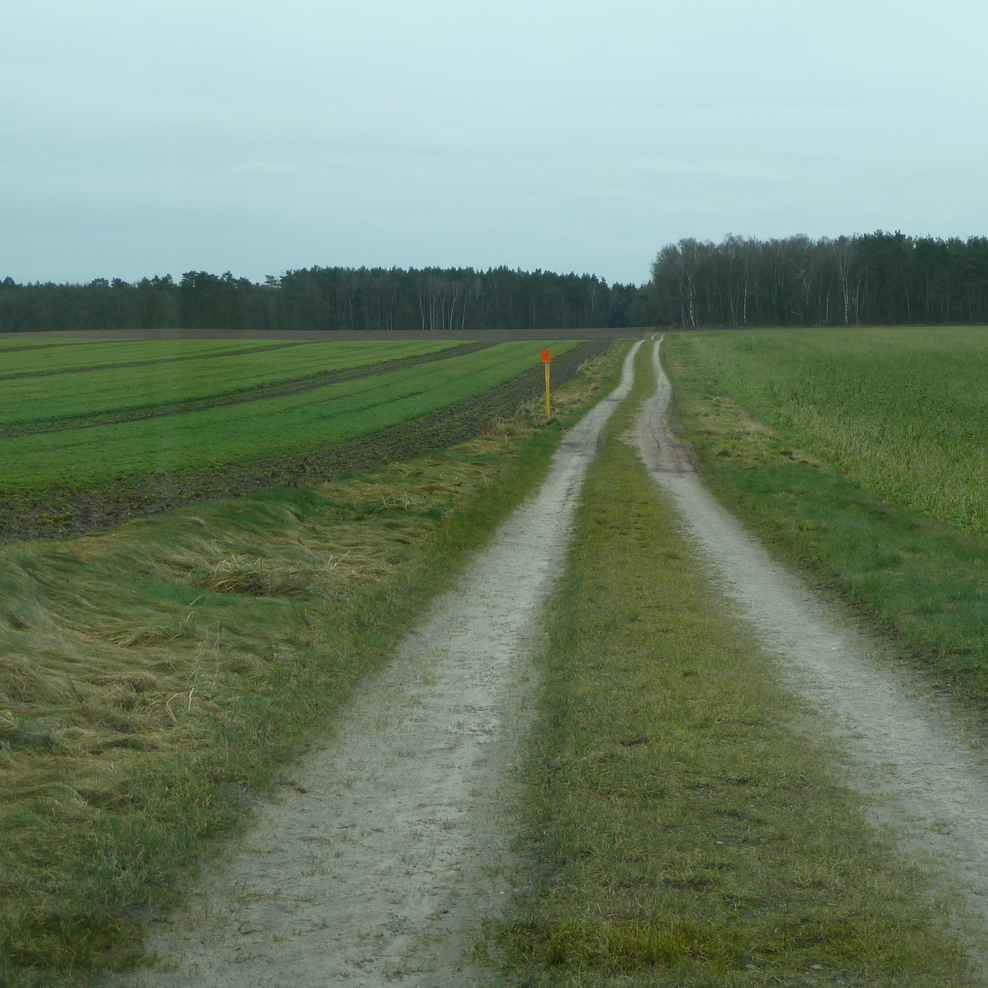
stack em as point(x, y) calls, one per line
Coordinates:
point(294, 425)
point(260, 392)
point(9, 346)
point(124, 364)
point(66, 508)
point(32, 401)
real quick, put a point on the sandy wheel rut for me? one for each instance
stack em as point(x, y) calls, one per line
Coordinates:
point(925, 774)
point(388, 848)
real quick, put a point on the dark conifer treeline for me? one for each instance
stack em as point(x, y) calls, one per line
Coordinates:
point(330, 299)
point(875, 279)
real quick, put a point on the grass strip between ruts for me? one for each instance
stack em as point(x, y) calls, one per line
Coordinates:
point(153, 676)
point(684, 828)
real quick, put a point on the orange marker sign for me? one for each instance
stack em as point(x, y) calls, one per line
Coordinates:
point(547, 360)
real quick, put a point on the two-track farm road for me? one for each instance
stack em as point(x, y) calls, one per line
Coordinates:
point(379, 863)
point(924, 772)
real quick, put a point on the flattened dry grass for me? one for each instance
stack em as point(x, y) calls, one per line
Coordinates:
point(685, 828)
point(153, 677)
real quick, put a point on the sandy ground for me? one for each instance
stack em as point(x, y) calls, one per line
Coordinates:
point(923, 772)
point(388, 849)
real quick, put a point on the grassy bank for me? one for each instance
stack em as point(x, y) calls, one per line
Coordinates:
point(919, 576)
point(683, 829)
point(152, 678)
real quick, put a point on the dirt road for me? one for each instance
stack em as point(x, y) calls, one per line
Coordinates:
point(925, 774)
point(388, 848)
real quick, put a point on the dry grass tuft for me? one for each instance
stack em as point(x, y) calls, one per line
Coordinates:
point(120, 646)
point(244, 575)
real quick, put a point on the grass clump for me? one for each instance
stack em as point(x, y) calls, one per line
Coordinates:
point(921, 577)
point(684, 829)
point(154, 677)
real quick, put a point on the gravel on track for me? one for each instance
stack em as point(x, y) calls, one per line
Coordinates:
point(390, 847)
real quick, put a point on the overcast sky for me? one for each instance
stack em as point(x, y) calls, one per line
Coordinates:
point(146, 138)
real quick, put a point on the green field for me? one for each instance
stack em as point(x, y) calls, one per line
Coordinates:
point(861, 456)
point(35, 356)
point(252, 430)
point(152, 675)
point(95, 432)
point(683, 823)
point(903, 412)
point(149, 373)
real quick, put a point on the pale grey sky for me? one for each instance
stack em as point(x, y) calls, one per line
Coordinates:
point(146, 138)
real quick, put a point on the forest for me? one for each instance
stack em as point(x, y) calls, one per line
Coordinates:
point(875, 279)
point(886, 279)
point(323, 298)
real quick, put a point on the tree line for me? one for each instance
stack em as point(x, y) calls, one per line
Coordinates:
point(872, 279)
point(322, 298)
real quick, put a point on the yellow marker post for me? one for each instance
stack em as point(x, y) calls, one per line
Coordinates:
point(547, 362)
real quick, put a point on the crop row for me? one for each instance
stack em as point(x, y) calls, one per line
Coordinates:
point(903, 412)
point(290, 425)
point(46, 358)
point(163, 380)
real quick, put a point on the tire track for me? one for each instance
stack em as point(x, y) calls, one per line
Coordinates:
point(380, 863)
point(924, 774)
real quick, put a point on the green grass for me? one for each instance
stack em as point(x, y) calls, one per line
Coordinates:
point(154, 676)
point(87, 392)
point(683, 827)
point(902, 412)
point(48, 353)
point(921, 578)
point(270, 428)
